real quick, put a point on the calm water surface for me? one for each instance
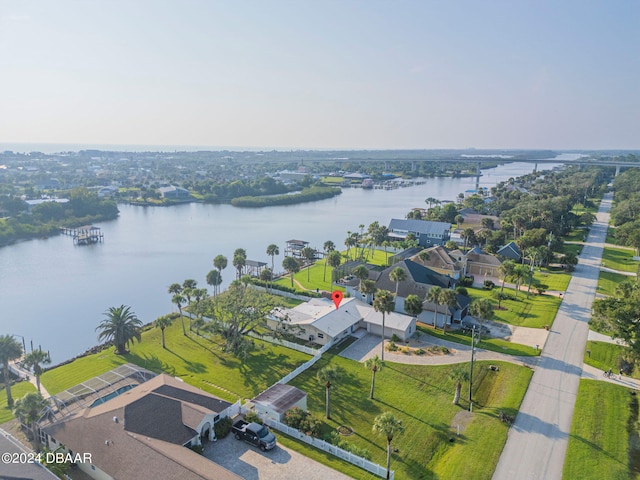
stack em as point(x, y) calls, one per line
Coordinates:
point(55, 293)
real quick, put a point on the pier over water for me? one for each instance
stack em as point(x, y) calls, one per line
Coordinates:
point(85, 235)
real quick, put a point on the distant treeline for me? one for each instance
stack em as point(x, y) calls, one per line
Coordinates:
point(307, 195)
point(84, 207)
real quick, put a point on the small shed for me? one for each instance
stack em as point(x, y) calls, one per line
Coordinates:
point(275, 401)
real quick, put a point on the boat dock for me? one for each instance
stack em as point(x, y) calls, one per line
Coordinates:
point(85, 235)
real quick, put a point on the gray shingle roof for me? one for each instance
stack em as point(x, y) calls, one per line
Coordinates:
point(425, 227)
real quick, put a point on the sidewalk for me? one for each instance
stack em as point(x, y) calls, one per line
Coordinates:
point(31, 378)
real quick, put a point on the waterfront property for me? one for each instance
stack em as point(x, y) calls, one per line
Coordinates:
point(319, 321)
point(427, 233)
point(141, 432)
point(84, 235)
point(175, 193)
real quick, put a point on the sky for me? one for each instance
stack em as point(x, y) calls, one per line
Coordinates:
point(322, 74)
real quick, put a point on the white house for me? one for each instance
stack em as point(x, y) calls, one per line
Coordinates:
point(320, 321)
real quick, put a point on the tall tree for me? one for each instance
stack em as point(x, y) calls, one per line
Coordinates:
point(266, 275)
point(34, 360)
point(309, 254)
point(328, 376)
point(459, 374)
point(482, 308)
point(188, 290)
point(384, 304)
point(424, 256)
point(121, 326)
point(413, 305)
point(520, 272)
point(398, 275)
point(368, 288)
point(175, 288)
point(433, 296)
point(334, 260)
point(239, 260)
point(375, 365)
point(329, 247)
point(272, 251)
point(179, 301)
point(10, 350)
point(215, 280)
point(220, 263)
point(447, 298)
point(292, 266)
point(388, 425)
point(505, 270)
point(29, 409)
point(361, 273)
point(163, 322)
point(469, 237)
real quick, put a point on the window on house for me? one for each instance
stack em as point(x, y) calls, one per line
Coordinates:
point(321, 335)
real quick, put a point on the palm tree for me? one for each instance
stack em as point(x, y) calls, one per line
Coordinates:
point(272, 251)
point(375, 365)
point(28, 409)
point(179, 301)
point(334, 260)
point(188, 290)
point(433, 296)
point(469, 237)
point(35, 360)
point(163, 322)
point(362, 273)
point(215, 280)
point(459, 374)
point(506, 270)
point(447, 298)
point(220, 263)
point(199, 294)
point(413, 305)
point(482, 308)
point(309, 254)
point(10, 350)
point(328, 246)
point(266, 276)
point(350, 241)
point(328, 376)
point(368, 288)
point(383, 303)
point(175, 288)
point(239, 260)
point(431, 201)
point(520, 272)
point(398, 275)
point(292, 266)
point(424, 256)
point(121, 326)
point(198, 323)
point(388, 425)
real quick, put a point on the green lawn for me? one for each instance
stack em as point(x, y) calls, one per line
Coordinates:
point(619, 259)
point(599, 441)
point(605, 355)
point(197, 360)
point(315, 275)
point(611, 238)
point(421, 397)
point(575, 248)
point(607, 282)
point(18, 390)
point(558, 281)
point(493, 344)
point(535, 311)
point(576, 235)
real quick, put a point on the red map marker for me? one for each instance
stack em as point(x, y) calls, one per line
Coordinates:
point(337, 297)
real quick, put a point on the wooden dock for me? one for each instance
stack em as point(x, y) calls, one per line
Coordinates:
point(85, 235)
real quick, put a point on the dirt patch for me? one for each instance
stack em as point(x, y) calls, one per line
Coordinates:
point(345, 430)
point(461, 420)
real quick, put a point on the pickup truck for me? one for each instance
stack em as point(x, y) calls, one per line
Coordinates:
point(255, 434)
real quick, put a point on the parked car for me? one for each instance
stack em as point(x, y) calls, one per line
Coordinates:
point(468, 327)
point(255, 434)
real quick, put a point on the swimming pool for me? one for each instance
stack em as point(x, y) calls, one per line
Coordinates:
point(101, 400)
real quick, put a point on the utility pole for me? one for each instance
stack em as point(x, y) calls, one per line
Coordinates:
point(473, 351)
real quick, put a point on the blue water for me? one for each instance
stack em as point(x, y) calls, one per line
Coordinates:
point(101, 400)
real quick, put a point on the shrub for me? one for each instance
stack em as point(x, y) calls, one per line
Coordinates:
point(488, 285)
point(303, 421)
point(462, 291)
point(223, 427)
point(466, 282)
point(392, 347)
point(252, 416)
point(336, 439)
point(196, 448)
point(420, 351)
point(395, 338)
point(504, 295)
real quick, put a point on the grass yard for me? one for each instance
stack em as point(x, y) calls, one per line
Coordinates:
point(575, 248)
point(421, 397)
point(316, 275)
point(611, 236)
point(18, 391)
point(600, 442)
point(557, 281)
point(608, 281)
point(196, 360)
point(606, 355)
point(576, 235)
point(493, 344)
point(535, 311)
point(619, 259)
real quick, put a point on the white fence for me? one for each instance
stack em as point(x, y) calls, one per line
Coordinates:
point(361, 462)
point(306, 365)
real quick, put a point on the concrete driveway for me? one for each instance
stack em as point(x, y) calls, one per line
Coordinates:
point(281, 463)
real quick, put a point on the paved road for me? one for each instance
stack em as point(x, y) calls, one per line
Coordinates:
point(543, 424)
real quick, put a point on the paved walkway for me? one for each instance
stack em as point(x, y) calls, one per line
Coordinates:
point(599, 337)
point(26, 374)
point(543, 423)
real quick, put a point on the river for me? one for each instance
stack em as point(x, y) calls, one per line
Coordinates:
point(54, 293)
